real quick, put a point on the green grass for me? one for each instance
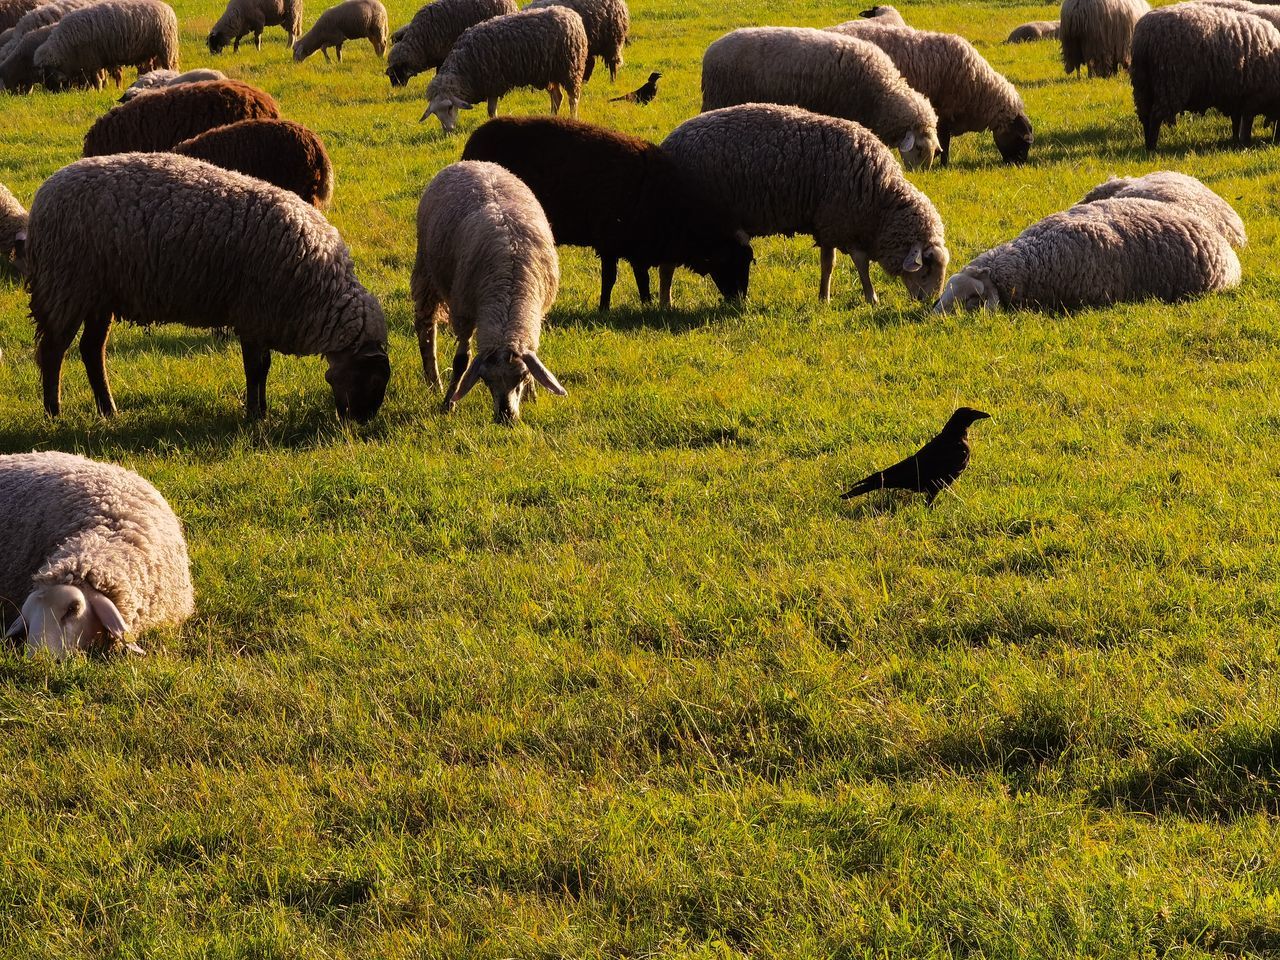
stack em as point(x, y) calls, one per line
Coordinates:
point(629, 680)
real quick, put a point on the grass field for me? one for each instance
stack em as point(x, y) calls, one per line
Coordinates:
point(629, 680)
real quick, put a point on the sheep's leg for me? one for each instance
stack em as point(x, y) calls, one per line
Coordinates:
point(493, 107)
point(1151, 133)
point(608, 277)
point(556, 98)
point(235, 45)
point(461, 359)
point(666, 272)
point(591, 65)
point(863, 263)
point(641, 272)
point(1245, 131)
point(944, 142)
point(325, 51)
point(257, 364)
point(339, 53)
point(93, 352)
point(574, 94)
point(50, 350)
point(828, 259)
point(257, 39)
point(424, 321)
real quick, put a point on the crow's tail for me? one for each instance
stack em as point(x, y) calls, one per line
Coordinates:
point(873, 482)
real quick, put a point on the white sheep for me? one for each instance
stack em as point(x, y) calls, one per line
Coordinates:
point(107, 36)
point(1187, 193)
point(783, 170)
point(884, 13)
point(159, 79)
point(13, 227)
point(825, 72)
point(93, 555)
point(1098, 254)
point(487, 258)
point(607, 23)
point(545, 49)
point(242, 17)
point(349, 20)
point(41, 16)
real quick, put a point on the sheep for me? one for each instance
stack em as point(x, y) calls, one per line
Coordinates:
point(349, 20)
point(1035, 30)
point(965, 91)
point(486, 257)
point(884, 13)
point(1097, 254)
point(18, 73)
point(41, 16)
point(242, 17)
point(1266, 11)
point(621, 196)
point(1097, 34)
point(11, 11)
point(543, 49)
point(93, 556)
point(161, 238)
point(109, 35)
point(1187, 193)
point(825, 72)
point(168, 116)
point(426, 40)
point(281, 152)
point(783, 170)
point(158, 79)
point(607, 23)
point(13, 226)
point(1193, 57)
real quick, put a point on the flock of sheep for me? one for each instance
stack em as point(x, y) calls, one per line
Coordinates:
point(796, 136)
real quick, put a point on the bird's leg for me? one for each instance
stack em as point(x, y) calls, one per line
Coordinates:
point(863, 263)
point(828, 259)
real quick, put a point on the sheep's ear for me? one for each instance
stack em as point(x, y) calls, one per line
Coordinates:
point(16, 629)
point(108, 613)
point(463, 105)
point(914, 260)
point(908, 141)
point(980, 273)
point(544, 376)
point(469, 380)
point(426, 113)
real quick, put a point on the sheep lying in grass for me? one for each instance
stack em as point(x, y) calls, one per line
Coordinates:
point(1033, 31)
point(1097, 254)
point(107, 36)
point(349, 20)
point(486, 256)
point(884, 13)
point(545, 49)
point(157, 79)
point(95, 551)
point(427, 39)
point(607, 23)
point(1097, 34)
point(825, 72)
point(783, 170)
point(1186, 193)
point(242, 17)
point(161, 238)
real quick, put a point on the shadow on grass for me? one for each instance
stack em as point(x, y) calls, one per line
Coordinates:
point(636, 317)
point(169, 341)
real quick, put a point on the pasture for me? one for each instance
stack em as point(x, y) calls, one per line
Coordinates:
point(629, 680)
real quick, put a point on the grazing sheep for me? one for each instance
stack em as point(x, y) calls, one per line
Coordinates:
point(41, 16)
point(13, 224)
point(607, 23)
point(825, 72)
point(11, 11)
point(349, 20)
point(782, 170)
point(243, 17)
point(107, 36)
point(621, 196)
point(277, 151)
point(884, 14)
point(159, 238)
point(1266, 11)
point(1096, 34)
point(95, 551)
point(1035, 30)
point(1097, 254)
point(966, 92)
point(545, 49)
point(426, 40)
point(168, 116)
point(158, 79)
point(18, 73)
point(1187, 193)
point(1194, 57)
point(485, 256)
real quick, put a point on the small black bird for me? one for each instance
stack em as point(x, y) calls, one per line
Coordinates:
point(933, 467)
point(644, 94)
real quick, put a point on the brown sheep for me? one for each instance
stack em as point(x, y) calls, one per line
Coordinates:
point(277, 151)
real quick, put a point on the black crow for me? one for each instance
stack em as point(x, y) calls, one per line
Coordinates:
point(643, 95)
point(932, 468)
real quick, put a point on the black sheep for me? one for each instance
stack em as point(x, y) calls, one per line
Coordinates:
point(621, 196)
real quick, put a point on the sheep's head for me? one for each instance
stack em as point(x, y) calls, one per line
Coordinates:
point(359, 380)
point(54, 80)
point(399, 74)
point(445, 108)
point(970, 289)
point(507, 374)
point(64, 618)
point(919, 147)
point(729, 266)
point(217, 40)
point(1014, 139)
point(924, 268)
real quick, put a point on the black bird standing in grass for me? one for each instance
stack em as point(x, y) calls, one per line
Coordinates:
point(644, 94)
point(933, 467)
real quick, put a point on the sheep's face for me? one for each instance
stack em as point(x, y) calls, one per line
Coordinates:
point(731, 269)
point(918, 148)
point(924, 269)
point(1014, 140)
point(445, 109)
point(359, 381)
point(63, 619)
point(399, 74)
point(217, 41)
point(54, 80)
point(508, 375)
point(970, 289)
